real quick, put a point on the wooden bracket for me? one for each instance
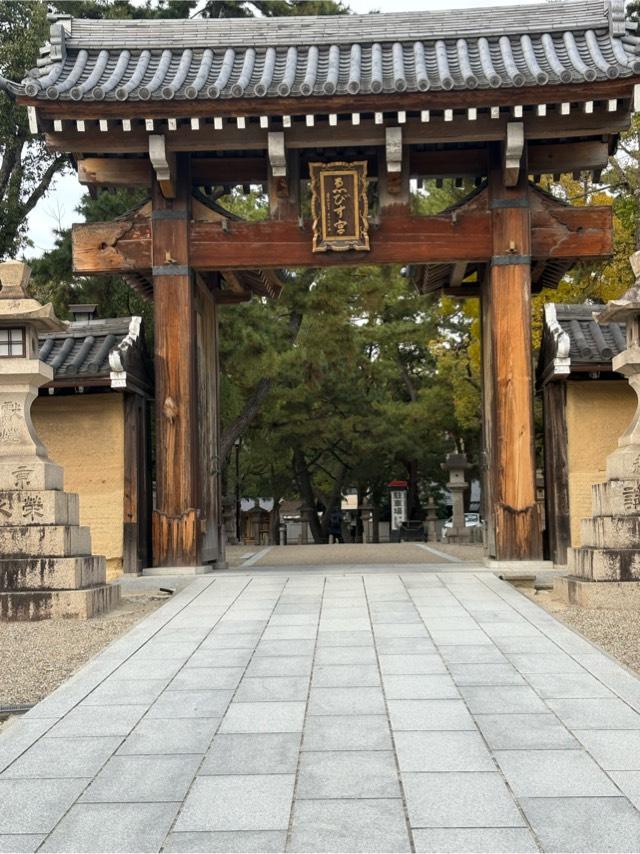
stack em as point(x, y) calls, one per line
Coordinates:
point(393, 146)
point(513, 150)
point(33, 120)
point(277, 154)
point(163, 164)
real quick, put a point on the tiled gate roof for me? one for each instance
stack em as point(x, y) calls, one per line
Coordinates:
point(524, 45)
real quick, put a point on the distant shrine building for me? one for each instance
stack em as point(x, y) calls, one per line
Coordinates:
point(340, 112)
point(586, 407)
point(94, 419)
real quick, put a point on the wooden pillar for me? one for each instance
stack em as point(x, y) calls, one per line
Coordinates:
point(509, 427)
point(176, 523)
point(209, 463)
point(137, 485)
point(556, 471)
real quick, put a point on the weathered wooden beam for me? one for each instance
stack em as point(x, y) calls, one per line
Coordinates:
point(507, 294)
point(175, 530)
point(400, 238)
point(115, 171)
point(462, 292)
point(449, 163)
point(319, 104)
point(136, 171)
point(553, 158)
point(457, 274)
point(461, 162)
point(572, 232)
point(342, 135)
point(233, 291)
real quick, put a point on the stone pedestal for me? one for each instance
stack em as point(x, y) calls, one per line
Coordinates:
point(46, 566)
point(457, 465)
point(610, 551)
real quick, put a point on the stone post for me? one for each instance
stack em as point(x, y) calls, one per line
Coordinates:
point(256, 517)
point(610, 550)
point(46, 566)
point(305, 515)
point(431, 520)
point(456, 464)
point(229, 516)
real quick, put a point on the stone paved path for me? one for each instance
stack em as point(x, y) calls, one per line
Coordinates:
point(426, 711)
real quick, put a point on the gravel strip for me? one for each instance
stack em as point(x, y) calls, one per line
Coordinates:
point(37, 657)
point(617, 632)
point(470, 552)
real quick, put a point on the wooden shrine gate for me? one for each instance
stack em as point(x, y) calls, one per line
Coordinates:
point(502, 97)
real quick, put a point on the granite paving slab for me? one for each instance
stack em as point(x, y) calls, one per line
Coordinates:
point(112, 827)
point(348, 774)
point(363, 825)
point(485, 840)
point(252, 753)
point(20, 843)
point(238, 802)
point(244, 841)
point(431, 710)
point(143, 779)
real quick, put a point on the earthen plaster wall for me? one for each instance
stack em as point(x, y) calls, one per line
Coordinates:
point(85, 435)
point(598, 413)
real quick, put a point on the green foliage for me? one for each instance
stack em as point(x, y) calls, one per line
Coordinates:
point(116, 9)
point(272, 8)
point(26, 167)
point(367, 392)
point(620, 188)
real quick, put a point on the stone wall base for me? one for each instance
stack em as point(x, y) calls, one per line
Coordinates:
point(518, 566)
point(617, 595)
point(204, 569)
point(34, 605)
point(51, 573)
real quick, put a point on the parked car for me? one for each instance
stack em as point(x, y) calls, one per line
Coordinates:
point(471, 520)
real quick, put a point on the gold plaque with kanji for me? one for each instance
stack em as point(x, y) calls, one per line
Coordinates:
point(339, 206)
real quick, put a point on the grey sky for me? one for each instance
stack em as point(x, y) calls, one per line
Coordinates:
point(57, 209)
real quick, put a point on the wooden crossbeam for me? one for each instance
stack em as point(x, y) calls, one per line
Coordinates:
point(458, 236)
point(344, 135)
point(462, 162)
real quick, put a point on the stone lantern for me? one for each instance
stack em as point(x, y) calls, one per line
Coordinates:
point(46, 566)
point(456, 464)
point(431, 520)
point(610, 550)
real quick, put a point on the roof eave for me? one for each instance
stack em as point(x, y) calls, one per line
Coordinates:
point(621, 88)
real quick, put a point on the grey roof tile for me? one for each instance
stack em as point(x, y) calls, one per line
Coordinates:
point(82, 351)
point(537, 45)
point(590, 343)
